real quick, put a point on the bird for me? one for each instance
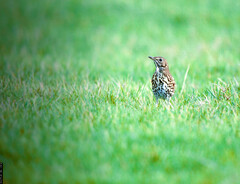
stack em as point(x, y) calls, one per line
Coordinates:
point(163, 83)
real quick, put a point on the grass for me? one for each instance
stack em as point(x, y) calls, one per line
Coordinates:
point(76, 100)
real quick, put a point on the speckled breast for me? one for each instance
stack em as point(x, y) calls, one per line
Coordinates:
point(160, 87)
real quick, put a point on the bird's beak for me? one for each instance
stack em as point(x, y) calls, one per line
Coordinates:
point(151, 57)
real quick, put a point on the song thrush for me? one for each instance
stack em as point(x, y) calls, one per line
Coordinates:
point(163, 84)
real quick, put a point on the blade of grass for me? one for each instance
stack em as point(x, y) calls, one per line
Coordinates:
point(184, 81)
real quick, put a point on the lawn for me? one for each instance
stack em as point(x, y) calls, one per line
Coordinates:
point(76, 100)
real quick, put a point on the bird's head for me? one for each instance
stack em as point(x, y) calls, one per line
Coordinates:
point(160, 63)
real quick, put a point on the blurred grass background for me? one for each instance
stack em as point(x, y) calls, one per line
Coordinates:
point(76, 100)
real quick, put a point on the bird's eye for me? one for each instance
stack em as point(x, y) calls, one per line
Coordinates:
point(160, 59)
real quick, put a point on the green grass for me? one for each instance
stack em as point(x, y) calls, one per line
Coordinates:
point(76, 100)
